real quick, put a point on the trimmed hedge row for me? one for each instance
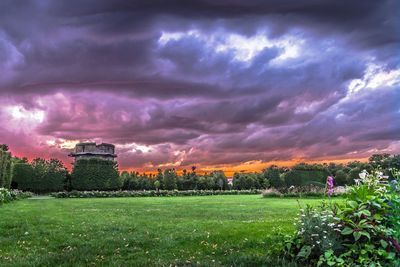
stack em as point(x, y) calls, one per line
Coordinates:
point(151, 193)
point(11, 195)
point(300, 195)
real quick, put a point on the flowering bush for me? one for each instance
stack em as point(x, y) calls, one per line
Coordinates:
point(317, 232)
point(7, 195)
point(364, 231)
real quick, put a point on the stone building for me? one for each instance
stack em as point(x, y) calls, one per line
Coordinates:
point(91, 150)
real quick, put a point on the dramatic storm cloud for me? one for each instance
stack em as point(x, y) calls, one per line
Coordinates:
point(216, 84)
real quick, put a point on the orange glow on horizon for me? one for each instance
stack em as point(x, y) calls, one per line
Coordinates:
point(252, 166)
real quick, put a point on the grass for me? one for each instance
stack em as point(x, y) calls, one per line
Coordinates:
point(182, 231)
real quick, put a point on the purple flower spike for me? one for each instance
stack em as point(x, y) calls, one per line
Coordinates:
point(329, 185)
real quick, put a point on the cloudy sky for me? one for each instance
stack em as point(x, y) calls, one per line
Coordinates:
point(233, 85)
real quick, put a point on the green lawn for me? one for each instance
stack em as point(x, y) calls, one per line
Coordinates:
point(182, 231)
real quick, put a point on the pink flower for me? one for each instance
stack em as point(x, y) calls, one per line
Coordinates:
point(329, 185)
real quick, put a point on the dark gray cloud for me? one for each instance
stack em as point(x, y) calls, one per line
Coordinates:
point(203, 82)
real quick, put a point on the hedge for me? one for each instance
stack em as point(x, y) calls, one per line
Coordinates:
point(151, 193)
point(305, 177)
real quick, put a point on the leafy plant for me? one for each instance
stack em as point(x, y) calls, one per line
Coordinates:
point(367, 222)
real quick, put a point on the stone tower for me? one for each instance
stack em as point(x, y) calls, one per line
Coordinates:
point(91, 150)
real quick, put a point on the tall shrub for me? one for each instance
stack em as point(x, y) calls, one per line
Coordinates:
point(5, 168)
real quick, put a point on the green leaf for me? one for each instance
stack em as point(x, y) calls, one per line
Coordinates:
point(347, 231)
point(365, 212)
point(328, 253)
point(377, 217)
point(352, 204)
point(357, 235)
point(384, 244)
point(304, 252)
point(365, 234)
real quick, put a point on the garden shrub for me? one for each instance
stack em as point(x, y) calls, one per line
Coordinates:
point(7, 195)
point(367, 222)
point(95, 174)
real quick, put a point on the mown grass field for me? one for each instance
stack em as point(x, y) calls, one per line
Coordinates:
point(182, 231)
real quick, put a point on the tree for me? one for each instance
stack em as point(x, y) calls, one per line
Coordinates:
point(41, 176)
point(169, 179)
point(157, 184)
point(221, 183)
point(341, 178)
point(23, 177)
point(5, 166)
point(380, 161)
point(272, 174)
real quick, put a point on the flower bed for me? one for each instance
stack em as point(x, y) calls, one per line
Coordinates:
point(364, 231)
point(7, 195)
point(151, 193)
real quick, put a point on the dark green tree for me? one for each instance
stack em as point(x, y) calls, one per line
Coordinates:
point(5, 167)
point(169, 179)
point(272, 174)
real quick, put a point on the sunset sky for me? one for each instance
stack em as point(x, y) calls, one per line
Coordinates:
point(232, 85)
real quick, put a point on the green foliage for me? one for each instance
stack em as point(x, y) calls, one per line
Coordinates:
point(317, 233)
point(301, 177)
point(41, 176)
point(5, 167)
point(152, 193)
point(368, 225)
point(24, 177)
point(7, 195)
point(134, 181)
point(95, 174)
point(300, 192)
point(169, 179)
point(273, 176)
point(245, 181)
point(341, 178)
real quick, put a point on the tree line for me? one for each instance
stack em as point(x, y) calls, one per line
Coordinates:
point(42, 176)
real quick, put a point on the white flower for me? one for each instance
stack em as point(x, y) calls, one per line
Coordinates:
point(363, 174)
